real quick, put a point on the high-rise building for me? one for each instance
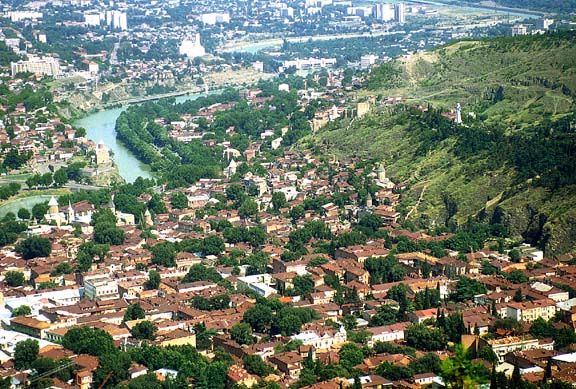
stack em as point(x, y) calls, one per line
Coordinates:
point(383, 11)
point(117, 20)
point(544, 24)
point(192, 47)
point(400, 13)
point(92, 18)
point(46, 66)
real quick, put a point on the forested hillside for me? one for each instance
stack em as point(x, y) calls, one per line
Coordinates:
point(511, 162)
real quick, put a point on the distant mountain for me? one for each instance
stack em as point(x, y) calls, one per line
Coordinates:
point(548, 6)
point(513, 161)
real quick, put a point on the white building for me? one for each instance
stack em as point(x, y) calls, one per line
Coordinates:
point(544, 24)
point(258, 66)
point(192, 47)
point(215, 18)
point(117, 20)
point(503, 346)
point(92, 18)
point(260, 283)
point(100, 288)
point(519, 29)
point(389, 333)
point(322, 340)
point(309, 63)
point(400, 13)
point(18, 16)
point(45, 66)
point(367, 61)
point(383, 12)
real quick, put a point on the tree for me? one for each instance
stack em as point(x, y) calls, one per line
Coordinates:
point(279, 200)
point(426, 364)
point(212, 245)
point(86, 340)
point(164, 254)
point(349, 322)
point(134, 312)
point(34, 247)
point(255, 365)
point(515, 255)
point(259, 317)
point(488, 354)
point(22, 310)
point(423, 338)
point(156, 205)
point(153, 280)
point(179, 200)
point(39, 210)
point(516, 276)
point(60, 177)
point(62, 268)
point(384, 315)
point(144, 330)
point(25, 353)
point(14, 278)
point(466, 289)
point(350, 355)
point(394, 372)
point(242, 333)
point(248, 209)
point(516, 379)
point(458, 372)
point(303, 285)
point(24, 214)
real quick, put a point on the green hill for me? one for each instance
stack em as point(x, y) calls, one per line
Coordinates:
point(514, 159)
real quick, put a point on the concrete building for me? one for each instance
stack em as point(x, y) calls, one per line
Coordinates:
point(309, 63)
point(529, 311)
point(100, 288)
point(45, 66)
point(92, 18)
point(192, 47)
point(544, 24)
point(117, 20)
point(400, 13)
point(519, 29)
point(383, 12)
point(503, 346)
point(322, 340)
point(215, 18)
point(367, 61)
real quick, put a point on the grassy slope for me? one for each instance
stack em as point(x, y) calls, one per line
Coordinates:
point(469, 72)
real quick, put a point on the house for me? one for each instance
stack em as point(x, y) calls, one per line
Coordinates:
point(289, 363)
point(529, 311)
point(371, 382)
point(360, 253)
point(503, 346)
point(424, 378)
point(422, 315)
point(30, 326)
point(389, 333)
point(237, 375)
point(322, 338)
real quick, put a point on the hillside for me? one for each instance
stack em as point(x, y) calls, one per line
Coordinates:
point(513, 159)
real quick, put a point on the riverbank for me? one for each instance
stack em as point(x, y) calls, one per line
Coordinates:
point(27, 199)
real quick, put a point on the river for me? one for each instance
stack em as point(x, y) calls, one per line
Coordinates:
point(100, 126)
